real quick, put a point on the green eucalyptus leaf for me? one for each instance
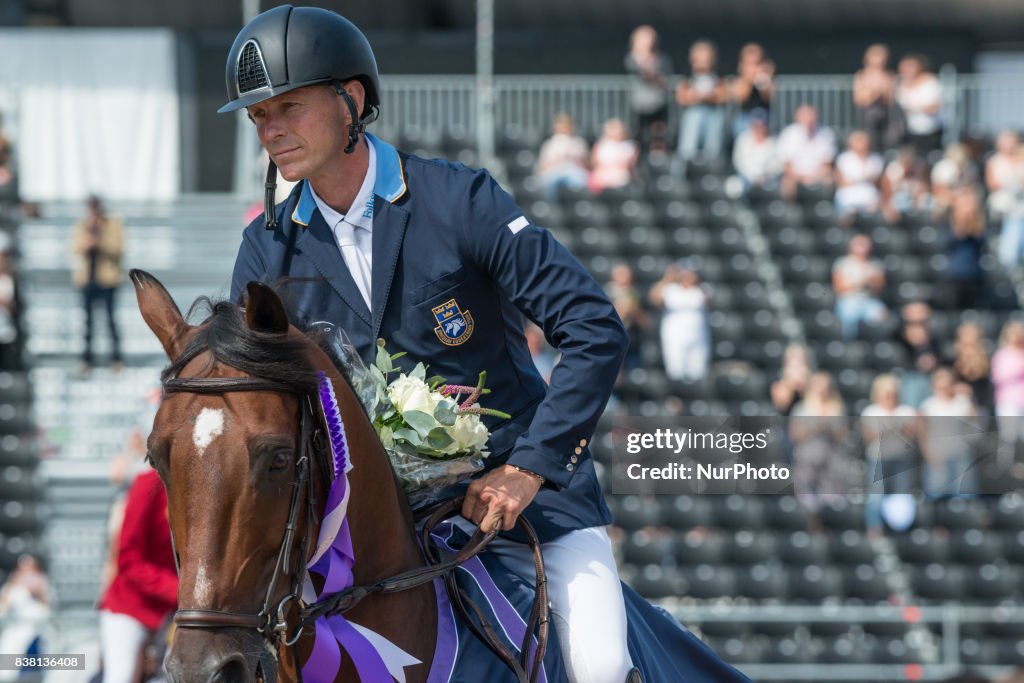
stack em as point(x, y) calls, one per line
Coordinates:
point(438, 438)
point(445, 413)
point(419, 372)
point(408, 435)
point(420, 421)
point(383, 362)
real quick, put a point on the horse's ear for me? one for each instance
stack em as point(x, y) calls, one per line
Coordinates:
point(264, 311)
point(159, 311)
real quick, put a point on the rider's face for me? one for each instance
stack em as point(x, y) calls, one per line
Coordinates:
point(305, 130)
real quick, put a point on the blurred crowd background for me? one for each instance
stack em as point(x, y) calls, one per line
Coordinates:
point(817, 215)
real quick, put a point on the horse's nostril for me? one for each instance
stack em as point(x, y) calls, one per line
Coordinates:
point(232, 670)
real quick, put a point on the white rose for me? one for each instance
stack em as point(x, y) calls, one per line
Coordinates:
point(469, 433)
point(409, 393)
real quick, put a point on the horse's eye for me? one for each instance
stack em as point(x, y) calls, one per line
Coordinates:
point(280, 461)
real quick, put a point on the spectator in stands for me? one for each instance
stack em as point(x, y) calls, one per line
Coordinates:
point(628, 304)
point(858, 280)
point(1004, 173)
point(702, 97)
point(25, 600)
point(818, 430)
point(946, 437)
point(145, 590)
point(650, 71)
point(563, 158)
point(965, 246)
point(10, 309)
point(1004, 180)
point(753, 87)
point(905, 185)
point(874, 91)
point(544, 357)
point(972, 367)
point(952, 173)
point(919, 95)
point(755, 155)
point(685, 337)
point(789, 389)
point(1008, 379)
point(97, 246)
point(613, 158)
point(807, 151)
point(858, 171)
point(922, 351)
point(8, 178)
point(889, 430)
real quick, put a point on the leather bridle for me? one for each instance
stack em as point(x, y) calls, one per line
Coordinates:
point(272, 620)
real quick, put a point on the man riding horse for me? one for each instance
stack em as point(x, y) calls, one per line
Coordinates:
point(383, 244)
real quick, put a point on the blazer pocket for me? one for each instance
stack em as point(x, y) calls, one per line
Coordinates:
point(438, 286)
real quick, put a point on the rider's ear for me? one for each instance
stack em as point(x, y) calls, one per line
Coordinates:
point(264, 311)
point(160, 312)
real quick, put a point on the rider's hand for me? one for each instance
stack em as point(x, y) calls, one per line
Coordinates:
point(495, 500)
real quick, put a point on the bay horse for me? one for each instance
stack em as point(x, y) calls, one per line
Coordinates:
point(230, 461)
point(240, 448)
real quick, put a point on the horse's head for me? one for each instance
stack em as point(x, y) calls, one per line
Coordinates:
point(233, 443)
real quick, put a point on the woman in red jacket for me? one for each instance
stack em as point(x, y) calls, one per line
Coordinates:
point(145, 589)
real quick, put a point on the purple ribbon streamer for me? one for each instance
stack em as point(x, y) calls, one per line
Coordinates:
point(336, 633)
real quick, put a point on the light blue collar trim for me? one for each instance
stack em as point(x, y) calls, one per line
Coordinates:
point(389, 183)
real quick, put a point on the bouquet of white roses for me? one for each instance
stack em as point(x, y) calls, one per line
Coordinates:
point(431, 430)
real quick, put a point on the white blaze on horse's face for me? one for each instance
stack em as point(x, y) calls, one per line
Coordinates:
point(203, 586)
point(209, 425)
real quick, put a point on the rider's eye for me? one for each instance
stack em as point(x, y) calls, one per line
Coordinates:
point(280, 461)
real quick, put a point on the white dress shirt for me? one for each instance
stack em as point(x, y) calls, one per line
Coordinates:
point(354, 231)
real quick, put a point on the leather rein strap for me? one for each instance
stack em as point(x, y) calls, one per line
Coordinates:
point(525, 668)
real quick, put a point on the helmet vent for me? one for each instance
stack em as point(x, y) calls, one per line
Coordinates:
point(250, 72)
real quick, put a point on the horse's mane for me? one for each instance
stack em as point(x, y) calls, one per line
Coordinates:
point(224, 333)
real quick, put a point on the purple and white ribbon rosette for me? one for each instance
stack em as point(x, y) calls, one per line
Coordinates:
point(374, 656)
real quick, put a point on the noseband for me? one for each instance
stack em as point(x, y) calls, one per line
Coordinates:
point(272, 620)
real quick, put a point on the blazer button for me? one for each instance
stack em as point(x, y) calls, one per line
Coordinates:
point(573, 458)
point(579, 451)
point(569, 467)
point(583, 443)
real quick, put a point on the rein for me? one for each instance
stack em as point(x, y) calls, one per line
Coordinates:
point(272, 620)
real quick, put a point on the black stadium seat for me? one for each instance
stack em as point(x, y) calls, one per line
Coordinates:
point(708, 581)
point(938, 582)
point(700, 546)
point(762, 582)
point(974, 546)
point(866, 584)
point(747, 547)
point(647, 546)
point(922, 546)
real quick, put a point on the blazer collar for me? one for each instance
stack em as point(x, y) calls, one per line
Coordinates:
point(389, 183)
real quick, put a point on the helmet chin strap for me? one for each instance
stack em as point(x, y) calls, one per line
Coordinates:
point(358, 125)
point(269, 194)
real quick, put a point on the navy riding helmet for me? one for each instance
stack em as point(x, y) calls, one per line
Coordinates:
point(291, 47)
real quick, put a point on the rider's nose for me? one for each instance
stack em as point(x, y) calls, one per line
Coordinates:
point(231, 670)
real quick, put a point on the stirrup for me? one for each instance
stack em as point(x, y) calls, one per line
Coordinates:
point(634, 676)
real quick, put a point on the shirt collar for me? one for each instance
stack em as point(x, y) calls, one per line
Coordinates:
point(360, 214)
point(385, 170)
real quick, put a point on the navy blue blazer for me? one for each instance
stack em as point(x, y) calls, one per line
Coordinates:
point(456, 266)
